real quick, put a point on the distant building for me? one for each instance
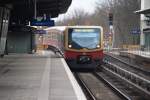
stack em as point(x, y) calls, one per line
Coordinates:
point(145, 24)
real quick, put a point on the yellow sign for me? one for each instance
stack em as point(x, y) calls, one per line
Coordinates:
point(84, 30)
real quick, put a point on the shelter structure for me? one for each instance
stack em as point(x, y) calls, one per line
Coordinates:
point(145, 24)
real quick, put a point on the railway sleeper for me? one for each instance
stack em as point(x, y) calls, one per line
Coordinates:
point(137, 98)
point(116, 88)
point(133, 80)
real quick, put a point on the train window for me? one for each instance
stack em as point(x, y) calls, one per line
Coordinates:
point(80, 38)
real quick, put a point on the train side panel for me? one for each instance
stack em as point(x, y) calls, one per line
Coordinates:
point(54, 39)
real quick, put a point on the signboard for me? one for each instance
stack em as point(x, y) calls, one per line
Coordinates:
point(40, 32)
point(46, 22)
point(85, 30)
point(135, 31)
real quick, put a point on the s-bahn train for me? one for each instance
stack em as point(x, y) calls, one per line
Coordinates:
point(82, 46)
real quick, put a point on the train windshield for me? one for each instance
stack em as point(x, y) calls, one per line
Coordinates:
point(80, 38)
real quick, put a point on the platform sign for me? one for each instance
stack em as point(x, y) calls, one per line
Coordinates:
point(40, 32)
point(135, 31)
point(47, 22)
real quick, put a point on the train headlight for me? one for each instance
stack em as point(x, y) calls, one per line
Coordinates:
point(69, 46)
point(98, 46)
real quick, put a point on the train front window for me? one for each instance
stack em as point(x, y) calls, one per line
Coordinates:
point(84, 38)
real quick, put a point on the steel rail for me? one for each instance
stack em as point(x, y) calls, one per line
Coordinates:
point(83, 84)
point(113, 87)
point(126, 63)
point(133, 79)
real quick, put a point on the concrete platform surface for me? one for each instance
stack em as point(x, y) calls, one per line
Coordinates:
point(37, 77)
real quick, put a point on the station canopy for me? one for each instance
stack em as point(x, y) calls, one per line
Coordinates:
point(24, 9)
point(145, 11)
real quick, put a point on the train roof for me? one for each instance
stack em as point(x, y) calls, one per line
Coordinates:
point(59, 28)
point(84, 26)
point(62, 28)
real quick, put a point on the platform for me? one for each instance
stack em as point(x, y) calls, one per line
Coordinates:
point(138, 55)
point(43, 76)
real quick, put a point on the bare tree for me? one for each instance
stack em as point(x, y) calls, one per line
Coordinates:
point(124, 18)
point(78, 17)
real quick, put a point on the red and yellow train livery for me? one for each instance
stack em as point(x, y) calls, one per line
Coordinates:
point(82, 46)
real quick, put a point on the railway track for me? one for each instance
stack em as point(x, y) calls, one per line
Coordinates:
point(137, 82)
point(127, 63)
point(127, 82)
point(96, 88)
point(87, 91)
point(125, 90)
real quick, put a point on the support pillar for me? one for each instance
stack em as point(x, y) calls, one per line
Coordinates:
point(4, 15)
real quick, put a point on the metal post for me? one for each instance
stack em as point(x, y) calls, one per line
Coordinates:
point(113, 37)
point(111, 30)
point(35, 9)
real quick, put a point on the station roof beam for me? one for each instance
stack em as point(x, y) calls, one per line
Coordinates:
point(24, 9)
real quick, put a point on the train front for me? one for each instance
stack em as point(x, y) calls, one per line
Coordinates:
point(83, 47)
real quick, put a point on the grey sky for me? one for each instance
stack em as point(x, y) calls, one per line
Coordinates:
point(86, 5)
